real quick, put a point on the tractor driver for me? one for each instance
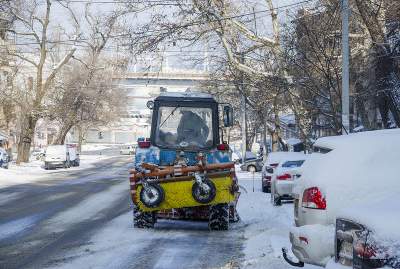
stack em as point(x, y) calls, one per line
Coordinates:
point(192, 129)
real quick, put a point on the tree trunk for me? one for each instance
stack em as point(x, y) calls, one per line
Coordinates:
point(60, 140)
point(26, 139)
point(80, 138)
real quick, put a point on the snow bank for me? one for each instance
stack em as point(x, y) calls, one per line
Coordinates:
point(266, 227)
point(361, 167)
point(34, 170)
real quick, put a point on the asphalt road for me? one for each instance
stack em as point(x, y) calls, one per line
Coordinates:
point(82, 219)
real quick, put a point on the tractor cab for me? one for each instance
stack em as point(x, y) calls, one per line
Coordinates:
point(184, 124)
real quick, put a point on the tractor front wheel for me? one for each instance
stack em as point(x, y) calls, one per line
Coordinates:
point(143, 219)
point(219, 217)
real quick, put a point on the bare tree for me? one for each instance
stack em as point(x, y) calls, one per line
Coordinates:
point(35, 27)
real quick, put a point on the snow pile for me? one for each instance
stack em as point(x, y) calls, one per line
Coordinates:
point(382, 218)
point(266, 227)
point(361, 167)
point(34, 171)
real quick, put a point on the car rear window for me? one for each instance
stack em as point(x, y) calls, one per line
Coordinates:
point(290, 164)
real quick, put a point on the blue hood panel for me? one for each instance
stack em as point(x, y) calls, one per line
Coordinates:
point(167, 157)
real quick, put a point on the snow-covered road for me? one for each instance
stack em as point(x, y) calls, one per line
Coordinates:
point(84, 221)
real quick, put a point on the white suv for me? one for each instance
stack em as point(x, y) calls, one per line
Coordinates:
point(355, 169)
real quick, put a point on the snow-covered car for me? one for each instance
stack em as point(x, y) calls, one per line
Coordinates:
point(127, 149)
point(57, 156)
point(368, 235)
point(355, 169)
point(285, 177)
point(252, 165)
point(268, 169)
point(4, 158)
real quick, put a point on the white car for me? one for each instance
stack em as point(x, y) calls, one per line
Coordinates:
point(268, 169)
point(57, 156)
point(368, 235)
point(127, 149)
point(284, 178)
point(355, 169)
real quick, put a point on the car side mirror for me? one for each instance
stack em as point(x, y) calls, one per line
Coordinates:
point(228, 116)
point(270, 170)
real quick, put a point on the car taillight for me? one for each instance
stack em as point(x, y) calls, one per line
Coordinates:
point(313, 198)
point(363, 250)
point(223, 147)
point(284, 177)
point(144, 144)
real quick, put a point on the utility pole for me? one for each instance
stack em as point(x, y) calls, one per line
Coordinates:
point(243, 105)
point(345, 68)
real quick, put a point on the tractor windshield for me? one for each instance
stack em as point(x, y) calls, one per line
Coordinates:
point(184, 127)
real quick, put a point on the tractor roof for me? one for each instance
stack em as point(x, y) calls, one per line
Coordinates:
point(185, 96)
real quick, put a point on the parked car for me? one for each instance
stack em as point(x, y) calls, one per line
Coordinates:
point(38, 154)
point(368, 236)
point(57, 156)
point(4, 159)
point(249, 156)
point(355, 169)
point(73, 155)
point(273, 160)
point(128, 149)
point(252, 165)
point(284, 178)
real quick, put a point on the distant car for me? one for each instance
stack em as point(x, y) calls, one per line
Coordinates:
point(252, 165)
point(355, 170)
point(57, 156)
point(127, 150)
point(273, 160)
point(237, 156)
point(285, 177)
point(4, 158)
point(38, 154)
point(73, 155)
point(367, 235)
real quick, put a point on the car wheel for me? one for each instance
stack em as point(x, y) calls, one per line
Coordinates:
point(251, 169)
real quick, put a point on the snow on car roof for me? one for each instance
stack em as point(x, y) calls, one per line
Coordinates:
point(279, 156)
point(361, 167)
point(332, 142)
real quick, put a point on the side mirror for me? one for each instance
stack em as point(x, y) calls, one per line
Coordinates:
point(270, 170)
point(228, 116)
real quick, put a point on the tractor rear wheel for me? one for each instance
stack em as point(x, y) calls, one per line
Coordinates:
point(219, 217)
point(143, 219)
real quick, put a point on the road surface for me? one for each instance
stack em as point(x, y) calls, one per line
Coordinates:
point(82, 219)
